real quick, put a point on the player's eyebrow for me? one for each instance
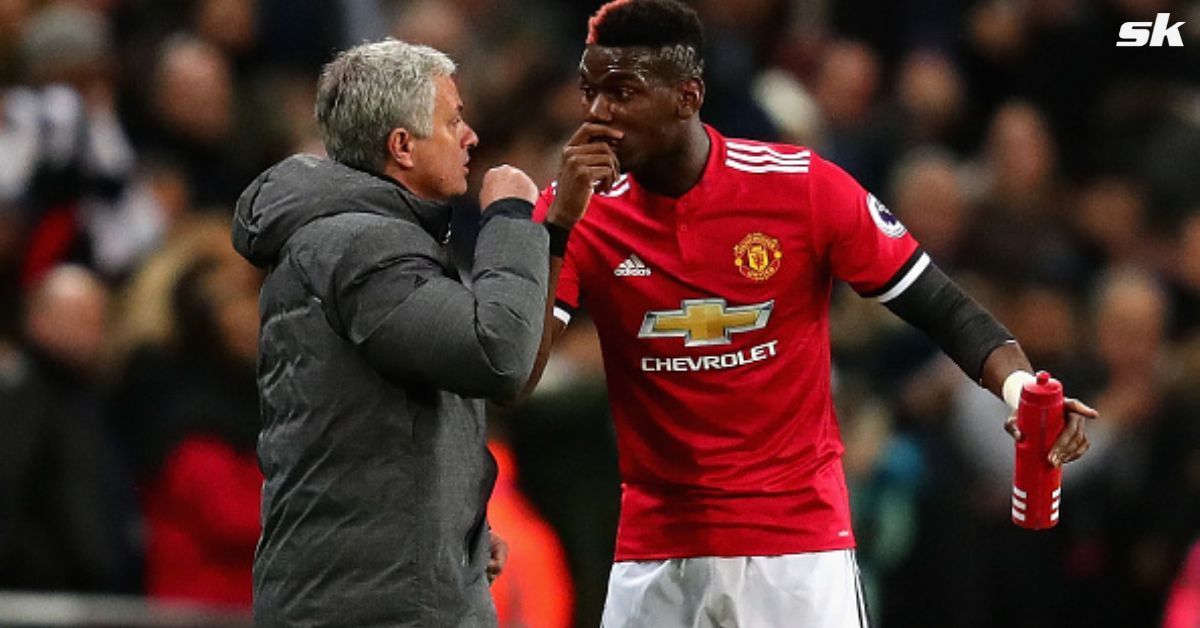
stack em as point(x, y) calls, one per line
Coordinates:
point(612, 75)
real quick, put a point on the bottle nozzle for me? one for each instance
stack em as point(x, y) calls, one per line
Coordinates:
point(1043, 378)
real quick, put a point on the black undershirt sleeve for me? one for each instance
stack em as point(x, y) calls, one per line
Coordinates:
point(963, 329)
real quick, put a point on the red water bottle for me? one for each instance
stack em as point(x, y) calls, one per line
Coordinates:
point(1037, 485)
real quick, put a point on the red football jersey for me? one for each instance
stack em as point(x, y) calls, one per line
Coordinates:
point(712, 311)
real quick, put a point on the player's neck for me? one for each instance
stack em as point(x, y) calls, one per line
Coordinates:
point(678, 170)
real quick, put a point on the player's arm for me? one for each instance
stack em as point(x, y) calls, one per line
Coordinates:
point(588, 165)
point(551, 330)
point(983, 349)
point(863, 238)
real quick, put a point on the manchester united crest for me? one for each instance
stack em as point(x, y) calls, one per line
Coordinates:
point(757, 256)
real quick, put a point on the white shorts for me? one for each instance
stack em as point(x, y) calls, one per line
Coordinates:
point(812, 590)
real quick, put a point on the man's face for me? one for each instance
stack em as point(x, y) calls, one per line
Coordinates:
point(623, 88)
point(440, 160)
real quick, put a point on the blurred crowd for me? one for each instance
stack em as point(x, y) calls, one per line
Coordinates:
point(1053, 174)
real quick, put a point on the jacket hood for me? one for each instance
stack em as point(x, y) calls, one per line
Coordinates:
point(304, 188)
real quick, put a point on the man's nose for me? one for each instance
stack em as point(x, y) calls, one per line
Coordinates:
point(471, 140)
point(599, 110)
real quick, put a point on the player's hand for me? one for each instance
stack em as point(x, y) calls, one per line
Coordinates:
point(1072, 442)
point(588, 165)
point(499, 556)
point(506, 182)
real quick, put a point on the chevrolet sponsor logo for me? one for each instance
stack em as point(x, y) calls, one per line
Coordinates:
point(692, 363)
point(705, 322)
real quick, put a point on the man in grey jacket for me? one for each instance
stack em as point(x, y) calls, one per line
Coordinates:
point(375, 360)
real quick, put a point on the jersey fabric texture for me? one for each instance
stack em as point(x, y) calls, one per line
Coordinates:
point(713, 316)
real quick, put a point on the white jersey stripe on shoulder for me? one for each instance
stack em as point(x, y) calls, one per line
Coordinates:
point(906, 281)
point(760, 148)
point(786, 169)
point(616, 190)
point(762, 158)
point(562, 315)
point(619, 187)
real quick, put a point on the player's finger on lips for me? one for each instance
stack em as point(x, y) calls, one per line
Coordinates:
point(602, 132)
point(590, 131)
point(580, 136)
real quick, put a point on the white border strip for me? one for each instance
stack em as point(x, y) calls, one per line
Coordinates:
point(737, 165)
point(760, 148)
point(907, 281)
point(761, 158)
point(562, 315)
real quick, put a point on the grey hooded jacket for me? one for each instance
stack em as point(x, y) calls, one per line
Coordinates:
point(373, 362)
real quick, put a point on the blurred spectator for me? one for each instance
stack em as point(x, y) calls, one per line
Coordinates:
point(1017, 231)
point(195, 121)
point(61, 489)
point(885, 471)
point(791, 108)
point(230, 25)
point(930, 101)
point(186, 409)
point(71, 162)
point(535, 588)
point(847, 87)
point(928, 198)
point(202, 498)
point(1139, 507)
point(1111, 220)
point(738, 37)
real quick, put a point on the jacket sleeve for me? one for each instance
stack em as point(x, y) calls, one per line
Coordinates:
point(411, 321)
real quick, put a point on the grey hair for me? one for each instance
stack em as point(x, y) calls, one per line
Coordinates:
point(370, 89)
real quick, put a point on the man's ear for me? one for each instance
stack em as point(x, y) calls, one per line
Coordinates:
point(400, 148)
point(691, 97)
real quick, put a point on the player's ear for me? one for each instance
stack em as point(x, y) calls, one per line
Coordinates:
point(691, 97)
point(400, 147)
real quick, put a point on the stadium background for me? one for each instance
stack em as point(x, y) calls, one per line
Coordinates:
point(1051, 172)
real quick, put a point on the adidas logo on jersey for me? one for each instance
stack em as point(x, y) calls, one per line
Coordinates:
point(632, 267)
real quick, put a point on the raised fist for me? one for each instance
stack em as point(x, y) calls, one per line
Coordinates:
point(506, 182)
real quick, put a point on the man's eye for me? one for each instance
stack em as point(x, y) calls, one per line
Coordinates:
point(588, 92)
